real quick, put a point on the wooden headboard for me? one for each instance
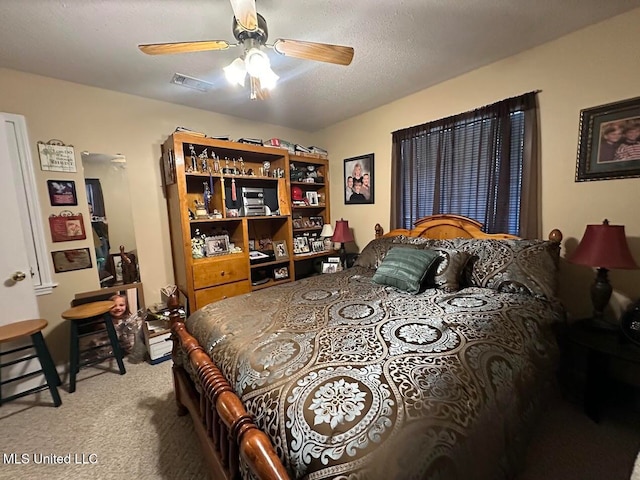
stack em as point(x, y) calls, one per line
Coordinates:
point(452, 226)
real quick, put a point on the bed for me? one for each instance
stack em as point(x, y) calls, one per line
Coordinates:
point(359, 374)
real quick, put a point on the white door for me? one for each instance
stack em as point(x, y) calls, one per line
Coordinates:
point(17, 294)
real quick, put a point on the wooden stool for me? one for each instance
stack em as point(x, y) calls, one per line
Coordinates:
point(88, 315)
point(33, 329)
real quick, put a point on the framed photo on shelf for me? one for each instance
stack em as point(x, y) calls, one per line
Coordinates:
point(218, 245)
point(298, 222)
point(280, 249)
point(301, 245)
point(62, 193)
point(316, 221)
point(329, 267)
point(609, 144)
point(312, 198)
point(358, 179)
point(317, 246)
point(280, 273)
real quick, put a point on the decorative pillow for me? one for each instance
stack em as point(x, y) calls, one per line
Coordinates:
point(373, 253)
point(406, 268)
point(449, 270)
point(512, 266)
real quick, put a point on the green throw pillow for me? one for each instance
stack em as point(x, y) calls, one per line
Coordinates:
point(405, 268)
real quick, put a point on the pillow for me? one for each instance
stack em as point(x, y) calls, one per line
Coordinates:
point(512, 266)
point(373, 253)
point(406, 268)
point(449, 270)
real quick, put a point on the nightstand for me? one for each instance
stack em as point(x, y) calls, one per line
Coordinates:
point(602, 346)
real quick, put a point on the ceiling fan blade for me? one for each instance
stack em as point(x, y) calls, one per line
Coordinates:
point(183, 47)
point(245, 13)
point(321, 52)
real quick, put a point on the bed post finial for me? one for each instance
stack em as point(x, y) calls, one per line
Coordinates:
point(379, 230)
point(555, 235)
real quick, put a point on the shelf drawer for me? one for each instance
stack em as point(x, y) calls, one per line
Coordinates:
point(213, 294)
point(220, 272)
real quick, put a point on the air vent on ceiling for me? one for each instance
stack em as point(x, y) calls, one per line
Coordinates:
point(190, 82)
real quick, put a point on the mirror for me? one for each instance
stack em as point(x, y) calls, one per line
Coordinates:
point(107, 187)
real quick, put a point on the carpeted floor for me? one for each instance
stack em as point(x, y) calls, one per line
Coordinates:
point(128, 422)
point(127, 425)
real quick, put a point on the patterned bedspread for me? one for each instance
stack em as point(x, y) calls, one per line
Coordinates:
point(355, 380)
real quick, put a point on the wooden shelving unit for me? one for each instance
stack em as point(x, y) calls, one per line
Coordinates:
point(189, 166)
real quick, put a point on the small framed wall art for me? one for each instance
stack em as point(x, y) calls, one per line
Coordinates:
point(62, 193)
point(67, 227)
point(69, 260)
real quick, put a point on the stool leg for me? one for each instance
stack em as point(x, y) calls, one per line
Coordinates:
point(49, 369)
point(115, 344)
point(74, 355)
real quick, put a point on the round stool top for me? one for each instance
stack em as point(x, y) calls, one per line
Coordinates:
point(21, 329)
point(88, 310)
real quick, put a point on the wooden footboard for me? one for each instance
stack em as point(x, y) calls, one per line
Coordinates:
point(225, 429)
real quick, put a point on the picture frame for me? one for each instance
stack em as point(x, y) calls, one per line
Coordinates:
point(280, 273)
point(67, 227)
point(609, 141)
point(301, 245)
point(329, 267)
point(70, 260)
point(312, 198)
point(216, 245)
point(317, 246)
point(115, 266)
point(280, 249)
point(62, 193)
point(316, 221)
point(359, 171)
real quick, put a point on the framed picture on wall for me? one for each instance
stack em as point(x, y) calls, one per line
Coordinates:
point(609, 144)
point(358, 179)
point(62, 193)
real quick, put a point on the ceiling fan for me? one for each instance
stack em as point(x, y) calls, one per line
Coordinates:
point(250, 30)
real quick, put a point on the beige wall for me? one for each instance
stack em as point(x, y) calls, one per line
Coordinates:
point(588, 68)
point(126, 124)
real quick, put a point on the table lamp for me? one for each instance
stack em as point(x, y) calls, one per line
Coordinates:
point(326, 234)
point(342, 234)
point(603, 247)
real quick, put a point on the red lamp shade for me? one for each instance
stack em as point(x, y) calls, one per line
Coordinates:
point(604, 246)
point(342, 233)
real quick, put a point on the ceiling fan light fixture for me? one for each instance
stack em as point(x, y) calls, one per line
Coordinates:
point(236, 72)
point(269, 79)
point(256, 62)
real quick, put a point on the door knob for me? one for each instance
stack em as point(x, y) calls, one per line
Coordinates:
point(18, 276)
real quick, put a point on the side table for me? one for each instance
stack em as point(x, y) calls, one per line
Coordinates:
point(602, 346)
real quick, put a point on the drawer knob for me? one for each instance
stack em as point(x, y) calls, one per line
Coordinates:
point(222, 273)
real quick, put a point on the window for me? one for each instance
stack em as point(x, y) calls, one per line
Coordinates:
point(480, 164)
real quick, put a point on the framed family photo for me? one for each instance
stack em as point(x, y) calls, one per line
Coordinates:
point(609, 143)
point(358, 179)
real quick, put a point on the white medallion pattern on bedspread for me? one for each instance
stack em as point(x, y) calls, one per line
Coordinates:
point(351, 379)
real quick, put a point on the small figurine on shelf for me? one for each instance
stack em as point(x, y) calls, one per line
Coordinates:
point(201, 211)
point(207, 197)
point(242, 171)
point(235, 170)
point(216, 163)
point(197, 244)
point(203, 161)
point(194, 163)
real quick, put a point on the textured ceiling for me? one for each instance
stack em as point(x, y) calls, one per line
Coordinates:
point(401, 47)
